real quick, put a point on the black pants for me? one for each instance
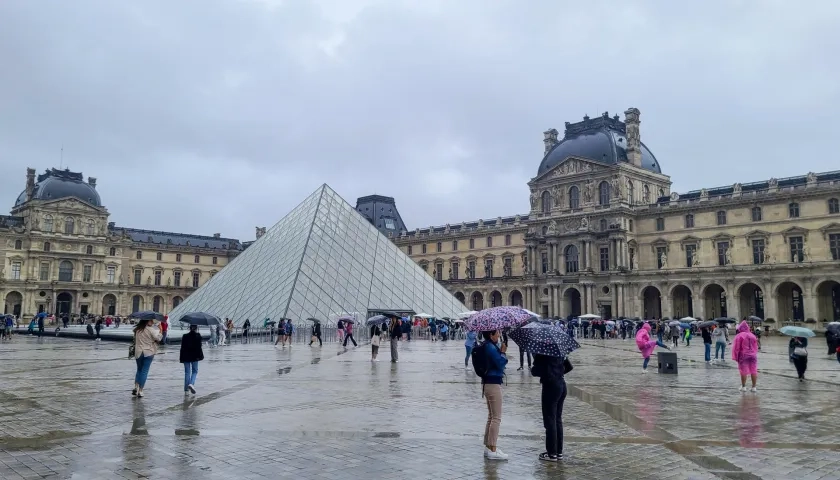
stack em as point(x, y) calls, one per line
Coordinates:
point(801, 364)
point(318, 336)
point(522, 358)
point(349, 336)
point(553, 396)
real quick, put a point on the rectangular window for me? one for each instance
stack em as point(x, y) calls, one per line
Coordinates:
point(797, 249)
point(721, 217)
point(630, 225)
point(689, 221)
point(138, 255)
point(660, 254)
point(196, 278)
point(176, 279)
point(158, 275)
point(471, 270)
point(45, 272)
point(439, 247)
point(489, 242)
point(425, 267)
point(438, 271)
point(177, 257)
point(197, 259)
point(508, 267)
point(87, 273)
point(834, 245)
point(758, 251)
point(756, 214)
point(631, 252)
point(472, 243)
point(215, 260)
point(660, 224)
point(423, 248)
point(488, 268)
point(605, 259)
point(544, 262)
point(722, 252)
point(690, 252)
point(409, 250)
point(111, 274)
point(389, 224)
point(454, 245)
point(159, 256)
point(454, 273)
point(138, 276)
point(16, 270)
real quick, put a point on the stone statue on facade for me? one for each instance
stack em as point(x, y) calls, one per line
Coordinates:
point(446, 229)
point(552, 227)
point(616, 187)
point(663, 259)
point(467, 272)
point(36, 222)
point(811, 178)
point(517, 219)
point(584, 223)
point(587, 191)
point(736, 189)
point(558, 197)
point(149, 280)
point(806, 253)
point(450, 274)
point(532, 230)
point(675, 196)
point(525, 262)
point(632, 261)
point(695, 259)
point(480, 223)
point(728, 256)
point(169, 282)
point(773, 183)
point(704, 194)
point(534, 198)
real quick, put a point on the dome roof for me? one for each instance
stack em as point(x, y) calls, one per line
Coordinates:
point(55, 184)
point(600, 139)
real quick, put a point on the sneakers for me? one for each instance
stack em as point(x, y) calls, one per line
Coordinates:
point(139, 393)
point(753, 389)
point(742, 389)
point(191, 388)
point(644, 370)
point(545, 457)
point(518, 369)
point(497, 455)
point(134, 390)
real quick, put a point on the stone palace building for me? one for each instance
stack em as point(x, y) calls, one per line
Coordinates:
point(60, 254)
point(606, 235)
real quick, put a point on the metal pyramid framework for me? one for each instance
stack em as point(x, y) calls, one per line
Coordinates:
point(320, 260)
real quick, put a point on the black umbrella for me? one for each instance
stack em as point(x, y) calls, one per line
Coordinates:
point(725, 320)
point(376, 320)
point(707, 324)
point(833, 327)
point(200, 318)
point(313, 320)
point(544, 340)
point(147, 315)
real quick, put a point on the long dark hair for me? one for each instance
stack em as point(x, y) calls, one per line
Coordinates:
point(141, 325)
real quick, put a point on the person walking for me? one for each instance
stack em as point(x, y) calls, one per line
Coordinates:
point(213, 338)
point(433, 331)
point(245, 327)
point(40, 325)
point(799, 347)
point(288, 329)
point(707, 344)
point(745, 352)
point(469, 344)
point(396, 333)
point(491, 386)
point(688, 336)
point(146, 338)
point(228, 330)
point(191, 354)
point(10, 323)
point(757, 333)
point(164, 331)
point(646, 345)
point(444, 332)
point(375, 338)
point(339, 330)
point(552, 371)
point(316, 333)
point(721, 338)
point(98, 327)
point(348, 334)
point(675, 335)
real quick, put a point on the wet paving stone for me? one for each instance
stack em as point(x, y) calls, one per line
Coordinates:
point(302, 412)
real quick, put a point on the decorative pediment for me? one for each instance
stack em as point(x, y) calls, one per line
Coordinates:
point(471, 258)
point(572, 166)
point(832, 227)
point(689, 240)
point(71, 204)
point(659, 242)
point(795, 232)
point(489, 256)
point(723, 237)
point(508, 254)
point(757, 234)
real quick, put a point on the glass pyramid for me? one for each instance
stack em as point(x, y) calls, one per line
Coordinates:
point(321, 260)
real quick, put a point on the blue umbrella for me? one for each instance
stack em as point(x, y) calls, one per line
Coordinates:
point(797, 331)
point(41, 315)
point(544, 340)
point(147, 315)
point(200, 318)
point(685, 325)
point(376, 320)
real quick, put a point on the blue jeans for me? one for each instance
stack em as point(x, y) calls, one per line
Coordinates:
point(720, 347)
point(708, 351)
point(143, 365)
point(645, 363)
point(467, 358)
point(190, 373)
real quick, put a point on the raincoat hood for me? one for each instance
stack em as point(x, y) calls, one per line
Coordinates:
point(743, 327)
point(646, 326)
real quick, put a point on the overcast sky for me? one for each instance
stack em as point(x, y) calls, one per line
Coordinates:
point(205, 116)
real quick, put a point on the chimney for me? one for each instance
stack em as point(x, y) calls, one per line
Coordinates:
point(217, 235)
point(30, 183)
point(634, 142)
point(549, 139)
point(92, 181)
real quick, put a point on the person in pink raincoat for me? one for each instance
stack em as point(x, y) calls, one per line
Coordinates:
point(745, 352)
point(646, 345)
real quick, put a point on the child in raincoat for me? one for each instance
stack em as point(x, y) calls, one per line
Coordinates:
point(745, 352)
point(646, 345)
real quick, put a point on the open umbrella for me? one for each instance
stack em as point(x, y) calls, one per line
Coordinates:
point(147, 315)
point(424, 315)
point(310, 319)
point(797, 331)
point(753, 318)
point(467, 314)
point(347, 318)
point(589, 316)
point(833, 327)
point(610, 322)
point(688, 319)
point(532, 313)
point(40, 315)
point(707, 324)
point(201, 318)
point(674, 323)
point(498, 318)
point(459, 321)
point(725, 320)
point(377, 320)
point(443, 320)
point(546, 340)
point(685, 325)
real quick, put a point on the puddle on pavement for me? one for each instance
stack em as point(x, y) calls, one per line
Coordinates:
point(37, 442)
point(186, 431)
point(386, 435)
point(283, 371)
point(619, 413)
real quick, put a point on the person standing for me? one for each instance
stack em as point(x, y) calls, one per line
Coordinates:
point(348, 333)
point(316, 333)
point(98, 327)
point(444, 332)
point(164, 330)
point(375, 334)
point(799, 347)
point(745, 352)
point(245, 327)
point(40, 325)
point(433, 330)
point(646, 345)
point(707, 343)
point(288, 328)
point(213, 338)
point(228, 330)
point(721, 338)
point(675, 335)
point(491, 385)
point(522, 354)
point(146, 338)
point(469, 344)
point(396, 334)
point(191, 354)
point(758, 337)
point(339, 329)
point(551, 371)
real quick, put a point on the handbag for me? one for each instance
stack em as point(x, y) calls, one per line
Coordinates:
point(800, 352)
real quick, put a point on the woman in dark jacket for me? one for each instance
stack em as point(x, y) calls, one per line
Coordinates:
point(551, 371)
point(191, 354)
point(800, 360)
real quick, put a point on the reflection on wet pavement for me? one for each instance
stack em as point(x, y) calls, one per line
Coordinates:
point(325, 412)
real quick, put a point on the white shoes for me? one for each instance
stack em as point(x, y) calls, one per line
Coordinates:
point(644, 370)
point(497, 455)
point(753, 390)
point(192, 389)
point(742, 389)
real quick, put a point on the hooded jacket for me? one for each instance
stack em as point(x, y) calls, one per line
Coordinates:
point(745, 345)
point(643, 341)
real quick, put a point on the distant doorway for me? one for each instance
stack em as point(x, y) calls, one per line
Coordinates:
point(63, 303)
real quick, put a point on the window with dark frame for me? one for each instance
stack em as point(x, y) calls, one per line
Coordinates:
point(722, 249)
point(689, 221)
point(574, 197)
point(758, 251)
point(605, 259)
point(721, 217)
point(793, 210)
point(690, 252)
point(797, 249)
point(834, 245)
point(755, 213)
point(660, 224)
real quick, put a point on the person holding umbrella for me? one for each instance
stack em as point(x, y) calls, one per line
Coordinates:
point(191, 354)
point(798, 347)
point(745, 352)
point(316, 333)
point(348, 333)
point(146, 338)
point(396, 334)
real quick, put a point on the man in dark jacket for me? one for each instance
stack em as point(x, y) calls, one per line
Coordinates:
point(707, 343)
point(551, 371)
point(191, 354)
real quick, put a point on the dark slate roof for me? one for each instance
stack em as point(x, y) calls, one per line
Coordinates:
point(788, 182)
point(470, 226)
point(601, 139)
point(7, 221)
point(55, 184)
point(178, 239)
point(378, 210)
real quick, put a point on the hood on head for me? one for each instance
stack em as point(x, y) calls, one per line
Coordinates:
point(646, 326)
point(743, 327)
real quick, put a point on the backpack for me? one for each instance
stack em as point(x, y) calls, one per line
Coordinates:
point(479, 358)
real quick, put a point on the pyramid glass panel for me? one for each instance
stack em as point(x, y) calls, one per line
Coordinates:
point(321, 260)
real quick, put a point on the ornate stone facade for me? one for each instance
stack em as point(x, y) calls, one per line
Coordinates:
point(610, 237)
point(61, 255)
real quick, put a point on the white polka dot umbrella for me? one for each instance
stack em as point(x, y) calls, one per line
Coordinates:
point(543, 339)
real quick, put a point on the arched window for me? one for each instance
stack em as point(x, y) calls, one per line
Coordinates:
point(661, 193)
point(18, 245)
point(631, 192)
point(571, 254)
point(545, 230)
point(833, 205)
point(65, 271)
point(47, 246)
point(645, 194)
point(91, 227)
point(48, 223)
point(89, 250)
point(69, 225)
point(546, 202)
point(574, 197)
point(755, 212)
point(793, 210)
point(603, 224)
point(604, 193)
